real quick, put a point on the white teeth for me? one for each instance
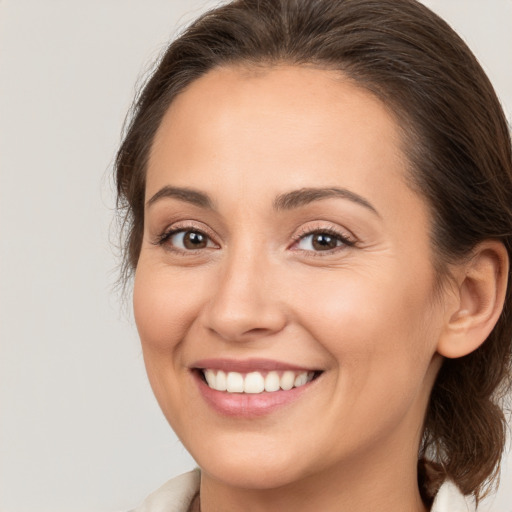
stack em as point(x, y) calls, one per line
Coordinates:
point(255, 382)
point(287, 380)
point(221, 381)
point(235, 382)
point(209, 375)
point(300, 380)
point(272, 381)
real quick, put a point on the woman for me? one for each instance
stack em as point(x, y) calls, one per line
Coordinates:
point(318, 201)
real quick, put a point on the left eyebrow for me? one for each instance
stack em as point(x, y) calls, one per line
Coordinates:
point(304, 196)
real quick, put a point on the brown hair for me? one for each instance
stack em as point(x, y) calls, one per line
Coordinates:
point(454, 134)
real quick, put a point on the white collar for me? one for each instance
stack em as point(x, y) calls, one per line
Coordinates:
point(450, 499)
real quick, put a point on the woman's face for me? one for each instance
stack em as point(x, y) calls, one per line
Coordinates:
point(282, 247)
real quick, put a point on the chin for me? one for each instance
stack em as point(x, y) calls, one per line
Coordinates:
point(252, 467)
point(248, 475)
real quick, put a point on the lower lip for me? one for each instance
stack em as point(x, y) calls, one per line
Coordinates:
point(248, 405)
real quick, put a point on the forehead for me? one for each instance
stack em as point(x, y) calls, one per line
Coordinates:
point(282, 127)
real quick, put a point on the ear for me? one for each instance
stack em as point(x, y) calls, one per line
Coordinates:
point(481, 285)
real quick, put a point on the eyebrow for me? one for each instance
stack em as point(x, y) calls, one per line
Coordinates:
point(304, 196)
point(187, 195)
point(286, 201)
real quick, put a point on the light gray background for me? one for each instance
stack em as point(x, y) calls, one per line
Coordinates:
point(79, 428)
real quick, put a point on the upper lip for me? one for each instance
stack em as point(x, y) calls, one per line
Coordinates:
point(247, 365)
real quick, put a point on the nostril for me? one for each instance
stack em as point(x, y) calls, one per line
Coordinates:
point(237, 332)
point(257, 330)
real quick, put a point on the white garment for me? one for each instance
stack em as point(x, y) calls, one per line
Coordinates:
point(174, 496)
point(177, 494)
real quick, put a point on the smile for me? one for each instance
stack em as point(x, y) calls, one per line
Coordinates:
point(252, 388)
point(256, 382)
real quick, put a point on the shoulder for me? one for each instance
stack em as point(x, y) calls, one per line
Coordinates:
point(450, 499)
point(174, 496)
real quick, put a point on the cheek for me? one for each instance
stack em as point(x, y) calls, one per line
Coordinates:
point(163, 307)
point(375, 333)
point(375, 326)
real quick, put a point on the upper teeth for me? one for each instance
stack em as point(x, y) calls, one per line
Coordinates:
point(255, 382)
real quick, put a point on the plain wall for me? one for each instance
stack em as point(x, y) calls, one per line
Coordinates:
point(79, 427)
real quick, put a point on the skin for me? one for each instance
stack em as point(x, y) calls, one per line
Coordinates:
point(368, 315)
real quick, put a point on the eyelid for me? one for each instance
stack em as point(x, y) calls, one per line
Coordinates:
point(346, 237)
point(180, 226)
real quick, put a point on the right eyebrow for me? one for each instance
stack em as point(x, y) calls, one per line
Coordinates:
point(183, 194)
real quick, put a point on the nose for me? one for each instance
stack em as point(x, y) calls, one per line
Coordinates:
point(245, 303)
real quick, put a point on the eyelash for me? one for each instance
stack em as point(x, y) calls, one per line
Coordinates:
point(346, 241)
point(164, 238)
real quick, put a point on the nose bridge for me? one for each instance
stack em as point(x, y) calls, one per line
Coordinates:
point(244, 303)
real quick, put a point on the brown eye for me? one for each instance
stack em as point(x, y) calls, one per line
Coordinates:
point(194, 240)
point(187, 240)
point(324, 241)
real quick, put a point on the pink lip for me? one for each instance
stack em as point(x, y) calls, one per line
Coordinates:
point(246, 405)
point(247, 365)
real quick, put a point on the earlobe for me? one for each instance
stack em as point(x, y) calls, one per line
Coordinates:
point(481, 290)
